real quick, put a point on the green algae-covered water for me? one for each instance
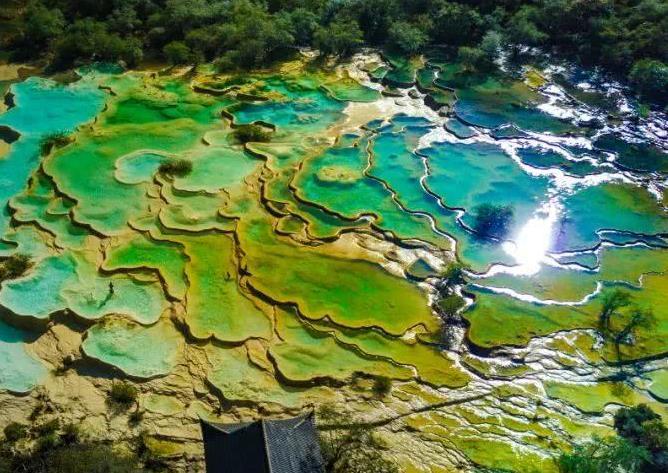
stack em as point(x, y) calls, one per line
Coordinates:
point(287, 274)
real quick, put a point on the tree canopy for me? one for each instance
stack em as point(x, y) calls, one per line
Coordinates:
point(629, 38)
point(641, 446)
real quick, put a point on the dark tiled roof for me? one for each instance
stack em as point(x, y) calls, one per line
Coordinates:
point(266, 446)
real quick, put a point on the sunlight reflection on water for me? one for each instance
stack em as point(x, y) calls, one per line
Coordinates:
point(530, 246)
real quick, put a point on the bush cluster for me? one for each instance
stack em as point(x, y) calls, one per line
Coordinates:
point(175, 168)
point(641, 446)
point(123, 394)
point(59, 449)
point(53, 140)
point(14, 267)
point(355, 449)
point(251, 133)
point(382, 385)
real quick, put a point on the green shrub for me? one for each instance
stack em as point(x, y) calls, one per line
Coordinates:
point(611, 302)
point(136, 417)
point(47, 428)
point(406, 37)
point(123, 394)
point(61, 450)
point(177, 52)
point(382, 386)
point(15, 431)
point(655, 438)
point(471, 58)
point(623, 36)
point(53, 140)
point(643, 427)
point(91, 458)
point(176, 168)
point(42, 24)
point(225, 63)
point(70, 434)
point(89, 40)
point(339, 38)
point(522, 28)
point(47, 443)
point(640, 447)
point(604, 456)
point(354, 451)
point(451, 304)
point(491, 44)
point(454, 275)
point(651, 78)
point(15, 266)
point(482, 57)
point(643, 110)
point(251, 133)
point(454, 23)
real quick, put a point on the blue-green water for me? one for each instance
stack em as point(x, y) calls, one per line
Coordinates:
point(20, 371)
point(42, 107)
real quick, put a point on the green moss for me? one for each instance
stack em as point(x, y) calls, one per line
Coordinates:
point(433, 366)
point(250, 246)
point(299, 272)
point(305, 355)
point(534, 78)
point(348, 89)
point(659, 384)
point(498, 319)
point(503, 455)
point(40, 204)
point(143, 252)
point(239, 379)
point(216, 305)
point(489, 368)
point(162, 404)
point(592, 398)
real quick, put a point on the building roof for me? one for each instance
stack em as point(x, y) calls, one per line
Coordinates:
point(264, 446)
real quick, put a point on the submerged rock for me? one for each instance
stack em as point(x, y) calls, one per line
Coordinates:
point(8, 135)
point(459, 129)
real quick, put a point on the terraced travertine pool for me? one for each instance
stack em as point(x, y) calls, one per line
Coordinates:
point(284, 275)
